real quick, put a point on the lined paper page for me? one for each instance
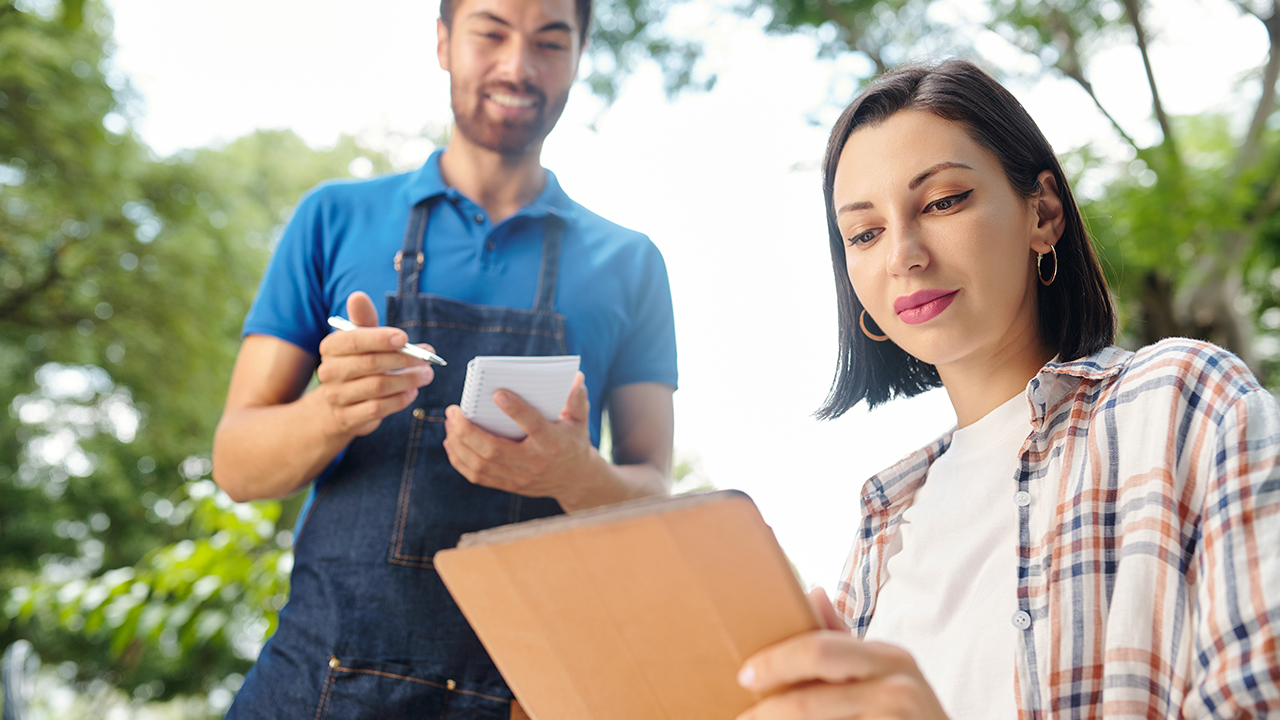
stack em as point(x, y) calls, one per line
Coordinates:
point(543, 382)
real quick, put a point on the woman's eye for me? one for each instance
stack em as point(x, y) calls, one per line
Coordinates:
point(863, 238)
point(948, 202)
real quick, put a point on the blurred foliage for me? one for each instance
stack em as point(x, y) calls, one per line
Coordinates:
point(625, 33)
point(123, 282)
point(1187, 226)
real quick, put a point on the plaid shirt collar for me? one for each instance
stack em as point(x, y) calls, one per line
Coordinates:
point(1047, 390)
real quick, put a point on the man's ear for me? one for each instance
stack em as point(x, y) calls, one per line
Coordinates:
point(1050, 220)
point(442, 44)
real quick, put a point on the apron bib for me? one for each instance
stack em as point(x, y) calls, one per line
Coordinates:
point(370, 630)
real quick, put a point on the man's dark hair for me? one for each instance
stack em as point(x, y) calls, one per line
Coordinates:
point(1076, 317)
point(584, 17)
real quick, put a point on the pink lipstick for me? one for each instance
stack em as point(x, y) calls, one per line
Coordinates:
point(923, 306)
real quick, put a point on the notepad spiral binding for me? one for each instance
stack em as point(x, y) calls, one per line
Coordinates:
point(471, 389)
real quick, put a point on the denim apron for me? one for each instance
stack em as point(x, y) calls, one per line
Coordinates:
point(370, 631)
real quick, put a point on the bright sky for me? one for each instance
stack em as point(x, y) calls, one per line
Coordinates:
point(725, 183)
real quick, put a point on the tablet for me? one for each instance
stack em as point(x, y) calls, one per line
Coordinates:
point(637, 611)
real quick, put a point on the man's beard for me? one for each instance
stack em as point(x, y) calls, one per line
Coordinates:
point(508, 137)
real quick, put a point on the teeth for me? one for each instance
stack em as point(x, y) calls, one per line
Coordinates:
point(511, 101)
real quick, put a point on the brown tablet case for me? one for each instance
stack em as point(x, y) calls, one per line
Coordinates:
point(642, 610)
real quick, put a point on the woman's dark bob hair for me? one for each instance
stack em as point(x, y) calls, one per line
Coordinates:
point(1076, 314)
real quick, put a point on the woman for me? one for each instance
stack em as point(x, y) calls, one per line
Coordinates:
point(1100, 536)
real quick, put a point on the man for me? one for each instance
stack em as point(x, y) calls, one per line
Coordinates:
point(479, 253)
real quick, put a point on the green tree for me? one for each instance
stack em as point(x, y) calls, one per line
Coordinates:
point(1187, 225)
point(123, 282)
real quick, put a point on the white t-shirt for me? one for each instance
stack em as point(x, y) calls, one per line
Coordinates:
point(952, 570)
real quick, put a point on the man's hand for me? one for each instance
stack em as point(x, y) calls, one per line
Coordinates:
point(362, 376)
point(832, 675)
point(555, 460)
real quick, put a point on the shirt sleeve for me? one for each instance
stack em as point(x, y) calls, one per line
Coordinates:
point(290, 304)
point(1236, 666)
point(647, 351)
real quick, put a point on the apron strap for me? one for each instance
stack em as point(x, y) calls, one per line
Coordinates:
point(410, 260)
point(549, 273)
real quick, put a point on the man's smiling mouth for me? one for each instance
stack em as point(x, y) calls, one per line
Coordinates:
point(512, 101)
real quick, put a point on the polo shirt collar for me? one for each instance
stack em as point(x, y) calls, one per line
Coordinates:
point(427, 182)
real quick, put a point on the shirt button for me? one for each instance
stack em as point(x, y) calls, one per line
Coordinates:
point(489, 246)
point(479, 218)
point(1021, 620)
point(1023, 499)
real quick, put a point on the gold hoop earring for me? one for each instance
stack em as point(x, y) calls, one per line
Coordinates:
point(1039, 273)
point(862, 323)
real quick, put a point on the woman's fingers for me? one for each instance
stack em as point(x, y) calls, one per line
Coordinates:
point(827, 614)
point(898, 696)
point(832, 656)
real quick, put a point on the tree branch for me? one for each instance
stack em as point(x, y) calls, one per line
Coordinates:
point(1249, 150)
point(1134, 11)
point(1070, 65)
point(1078, 76)
point(15, 301)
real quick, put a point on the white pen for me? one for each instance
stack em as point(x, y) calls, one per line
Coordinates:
point(340, 323)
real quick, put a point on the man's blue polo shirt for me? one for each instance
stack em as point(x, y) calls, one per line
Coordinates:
point(344, 235)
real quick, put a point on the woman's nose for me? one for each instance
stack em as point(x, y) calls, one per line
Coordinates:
point(907, 252)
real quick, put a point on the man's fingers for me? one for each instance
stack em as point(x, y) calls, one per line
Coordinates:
point(361, 310)
point(364, 340)
point(529, 419)
point(372, 387)
point(826, 655)
point(338, 368)
point(486, 446)
point(473, 451)
point(577, 407)
point(353, 417)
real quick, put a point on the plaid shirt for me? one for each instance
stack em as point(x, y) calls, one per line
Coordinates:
point(1148, 501)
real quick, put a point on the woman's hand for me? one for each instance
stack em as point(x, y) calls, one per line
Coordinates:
point(832, 675)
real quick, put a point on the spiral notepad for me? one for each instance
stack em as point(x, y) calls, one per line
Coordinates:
point(543, 382)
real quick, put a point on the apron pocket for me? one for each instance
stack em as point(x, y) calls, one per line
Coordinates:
point(403, 550)
point(436, 504)
point(355, 689)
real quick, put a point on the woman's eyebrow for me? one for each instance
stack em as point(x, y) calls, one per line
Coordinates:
point(915, 182)
point(850, 207)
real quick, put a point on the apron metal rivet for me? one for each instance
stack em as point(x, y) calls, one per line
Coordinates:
point(450, 684)
point(333, 663)
point(419, 413)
